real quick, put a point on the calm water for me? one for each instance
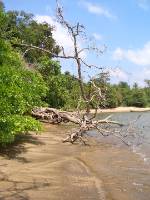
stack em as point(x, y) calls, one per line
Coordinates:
point(141, 125)
point(126, 170)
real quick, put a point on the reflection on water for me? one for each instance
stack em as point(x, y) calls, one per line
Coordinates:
point(142, 124)
point(124, 170)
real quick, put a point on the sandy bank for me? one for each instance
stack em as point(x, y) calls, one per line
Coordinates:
point(43, 168)
point(40, 167)
point(122, 109)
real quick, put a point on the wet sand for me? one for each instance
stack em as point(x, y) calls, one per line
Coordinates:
point(40, 167)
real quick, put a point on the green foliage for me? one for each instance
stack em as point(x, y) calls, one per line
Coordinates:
point(63, 89)
point(111, 97)
point(57, 94)
point(3, 20)
point(147, 91)
point(20, 27)
point(62, 92)
point(48, 67)
point(8, 56)
point(138, 98)
point(123, 95)
point(21, 90)
point(12, 125)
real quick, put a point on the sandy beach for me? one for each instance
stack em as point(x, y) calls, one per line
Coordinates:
point(41, 167)
point(122, 109)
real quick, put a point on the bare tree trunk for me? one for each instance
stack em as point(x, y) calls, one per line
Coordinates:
point(95, 96)
point(54, 116)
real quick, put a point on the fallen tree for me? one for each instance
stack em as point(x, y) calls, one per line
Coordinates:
point(105, 127)
point(94, 97)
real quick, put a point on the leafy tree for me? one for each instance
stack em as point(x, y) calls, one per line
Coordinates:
point(147, 91)
point(19, 28)
point(21, 90)
point(111, 98)
point(124, 90)
point(3, 20)
point(48, 67)
point(138, 98)
point(63, 89)
point(72, 86)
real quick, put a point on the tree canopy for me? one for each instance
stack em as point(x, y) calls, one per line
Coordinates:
point(30, 77)
point(21, 90)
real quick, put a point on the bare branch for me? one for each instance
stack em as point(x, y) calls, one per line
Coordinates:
point(89, 65)
point(30, 47)
point(103, 121)
point(96, 49)
point(55, 116)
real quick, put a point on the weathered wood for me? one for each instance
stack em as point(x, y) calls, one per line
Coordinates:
point(54, 116)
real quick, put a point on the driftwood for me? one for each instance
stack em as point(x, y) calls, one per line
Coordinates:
point(85, 123)
point(54, 116)
point(93, 98)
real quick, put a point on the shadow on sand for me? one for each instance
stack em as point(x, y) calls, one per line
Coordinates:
point(12, 151)
point(17, 189)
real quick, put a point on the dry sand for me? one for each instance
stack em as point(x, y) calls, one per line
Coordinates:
point(122, 109)
point(40, 167)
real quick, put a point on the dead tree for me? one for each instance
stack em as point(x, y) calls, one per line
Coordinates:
point(95, 96)
point(105, 127)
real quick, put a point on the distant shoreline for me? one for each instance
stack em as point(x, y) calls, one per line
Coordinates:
point(121, 109)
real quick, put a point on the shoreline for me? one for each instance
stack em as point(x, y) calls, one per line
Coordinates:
point(41, 166)
point(121, 109)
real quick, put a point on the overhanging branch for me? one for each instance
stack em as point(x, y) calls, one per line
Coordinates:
point(44, 50)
